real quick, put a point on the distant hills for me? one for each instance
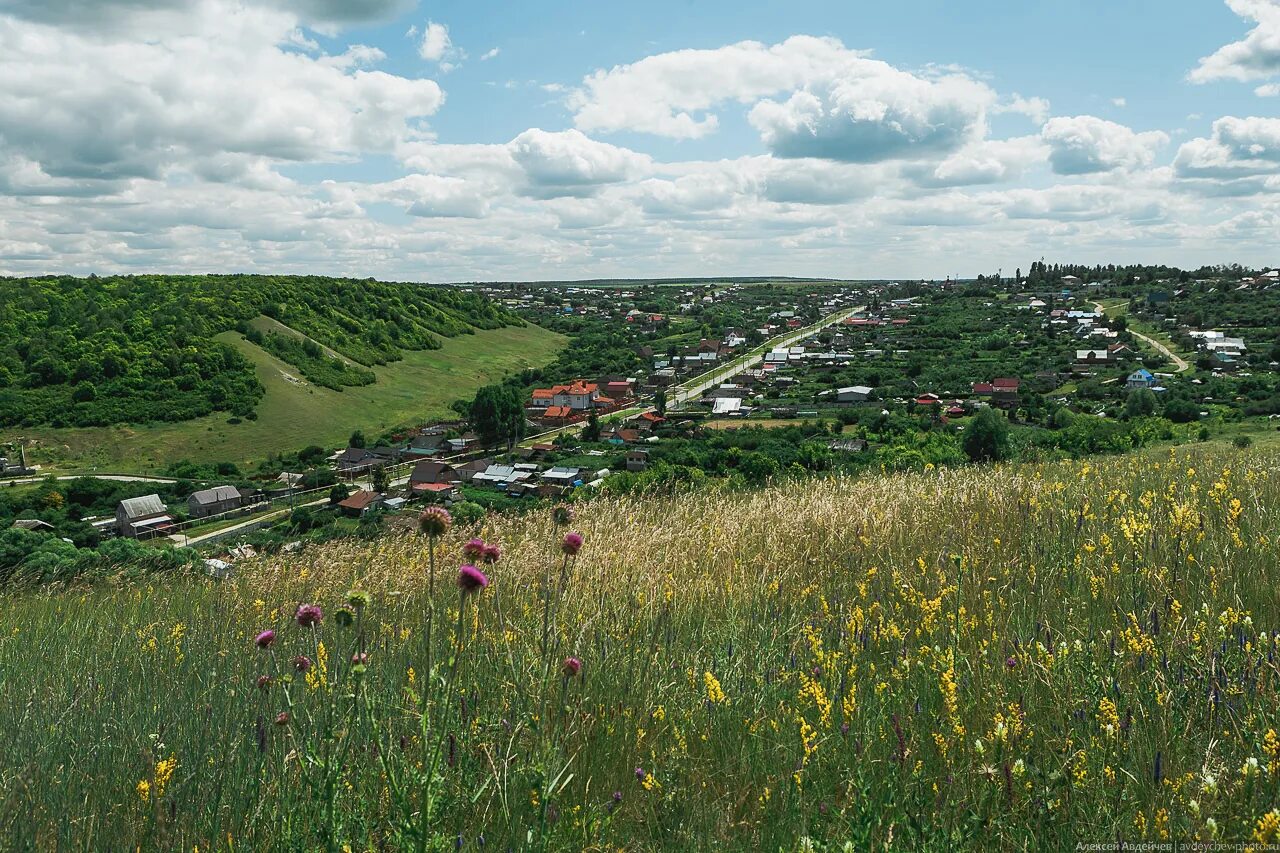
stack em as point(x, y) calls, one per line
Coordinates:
point(142, 349)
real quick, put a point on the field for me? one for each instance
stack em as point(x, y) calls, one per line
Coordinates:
point(293, 415)
point(761, 423)
point(1019, 657)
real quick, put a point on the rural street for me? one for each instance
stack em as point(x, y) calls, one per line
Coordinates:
point(685, 392)
point(117, 478)
point(1153, 343)
point(691, 388)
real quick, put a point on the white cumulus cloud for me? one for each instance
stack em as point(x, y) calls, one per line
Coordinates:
point(1254, 57)
point(1081, 145)
point(836, 103)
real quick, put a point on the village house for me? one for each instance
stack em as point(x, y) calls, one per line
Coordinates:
point(624, 435)
point(730, 406)
point(854, 394)
point(577, 396)
point(214, 501)
point(431, 473)
point(1093, 356)
point(290, 480)
point(1226, 346)
point(637, 460)
point(620, 389)
point(1002, 391)
point(650, 421)
point(357, 460)
point(561, 476)
point(468, 470)
point(143, 517)
point(438, 492)
point(33, 524)
point(361, 504)
point(427, 444)
point(1141, 378)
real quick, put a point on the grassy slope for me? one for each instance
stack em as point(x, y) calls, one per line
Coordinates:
point(292, 415)
point(779, 662)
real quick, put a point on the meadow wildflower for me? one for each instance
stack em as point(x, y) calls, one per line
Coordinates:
point(164, 773)
point(474, 550)
point(1271, 748)
point(301, 663)
point(264, 682)
point(1267, 829)
point(562, 514)
point(571, 544)
point(282, 719)
point(491, 554)
point(715, 695)
point(435, 521)
point(571, 667)
point(471, 579)
point(308, 615)
point(265, 639)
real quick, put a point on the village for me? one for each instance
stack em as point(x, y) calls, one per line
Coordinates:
point(853, 356)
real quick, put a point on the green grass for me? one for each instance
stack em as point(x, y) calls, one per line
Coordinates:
point(292, 415)
point(1007, 658)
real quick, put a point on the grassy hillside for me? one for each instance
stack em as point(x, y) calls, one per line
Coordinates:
point(145, 349)
point(293, 414)
point(1011, 658)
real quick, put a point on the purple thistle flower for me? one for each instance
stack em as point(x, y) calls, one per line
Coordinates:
point(571, 667)
point(309, 615)
point(491, 554)
point(572, 544)
point(264, 682)
point(282, 719)
point(265, 639)
point(302, 663)
point(471, 579)
point(474, 549)
point(640, 774)
point(435, 521)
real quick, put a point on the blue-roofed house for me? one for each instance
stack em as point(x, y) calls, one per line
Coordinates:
point(1140, 378)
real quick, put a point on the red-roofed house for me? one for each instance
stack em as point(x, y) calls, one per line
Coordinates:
point(578, 395)
point(437, 491)
point(649, 420)
point(620, 389)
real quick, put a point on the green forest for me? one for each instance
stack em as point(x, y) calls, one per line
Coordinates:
point(140, 349)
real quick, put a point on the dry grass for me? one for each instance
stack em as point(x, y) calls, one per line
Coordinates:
point(1019, 657)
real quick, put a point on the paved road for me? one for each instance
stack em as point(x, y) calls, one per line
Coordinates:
point(694, 387)
point(1178, 361)
point(118, 478)
point(691, 388)
point(181, 540)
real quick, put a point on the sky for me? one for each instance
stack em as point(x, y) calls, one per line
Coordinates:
point(478, 141)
